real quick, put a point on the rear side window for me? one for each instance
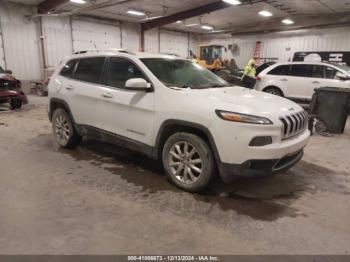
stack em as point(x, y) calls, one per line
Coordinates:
point(317, 71)
point(300, 70)
point(121, 70)
point(280, 70)
point(89, 69)
point(68, 68)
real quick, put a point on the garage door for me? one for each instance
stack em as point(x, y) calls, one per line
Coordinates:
point(174, 43)
point(20, 38)
point(89, 36)
point(58, 39)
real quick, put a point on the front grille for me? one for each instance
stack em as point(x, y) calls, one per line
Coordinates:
point(293, 124)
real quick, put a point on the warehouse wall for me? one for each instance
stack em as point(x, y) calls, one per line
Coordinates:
point(284, 45)
point(61, 36)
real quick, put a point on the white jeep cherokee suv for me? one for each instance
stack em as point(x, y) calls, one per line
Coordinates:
point(297, 80)
point(174, 110)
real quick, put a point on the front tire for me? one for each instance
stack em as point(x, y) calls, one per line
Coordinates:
point(188, 161)
point(63, 129)
point(15, 104)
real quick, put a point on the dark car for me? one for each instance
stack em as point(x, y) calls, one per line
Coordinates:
point(10, 90)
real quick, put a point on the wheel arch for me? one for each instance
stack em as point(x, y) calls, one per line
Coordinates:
point(172, 126)
point(56, 103)
point(273, 86)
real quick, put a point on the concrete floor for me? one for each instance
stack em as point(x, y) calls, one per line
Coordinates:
point(100, 199)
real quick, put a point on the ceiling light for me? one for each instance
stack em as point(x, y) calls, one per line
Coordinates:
point(233, 2)
point(287, 21)
point(78, 1)
point(190, 25)
point(135, 12)
point(207, 27)
point(265, 13)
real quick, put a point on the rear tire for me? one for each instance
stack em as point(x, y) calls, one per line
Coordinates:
point(63, 129)
point(188, 161)
point(273, 91)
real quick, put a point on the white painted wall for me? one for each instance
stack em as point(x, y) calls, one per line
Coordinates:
point(21, 41)
point(284, 45)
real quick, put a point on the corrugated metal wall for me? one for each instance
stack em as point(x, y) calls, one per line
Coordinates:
point(57, 39)
point(20, 37)
point(284, 45)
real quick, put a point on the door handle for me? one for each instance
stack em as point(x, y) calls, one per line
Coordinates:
point(315, 82)
point(284, 79)
point(107, 95)
point(70, 87)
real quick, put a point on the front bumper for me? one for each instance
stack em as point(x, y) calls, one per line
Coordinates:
point(257, 167)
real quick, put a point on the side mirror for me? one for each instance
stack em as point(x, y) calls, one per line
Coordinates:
point(138, 84)
point(342, 76)
point(8, 72)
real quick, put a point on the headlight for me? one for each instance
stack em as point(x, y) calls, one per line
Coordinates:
point(243, 118)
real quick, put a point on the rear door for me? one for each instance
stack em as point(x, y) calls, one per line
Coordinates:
point(85, 89)
point(298, 81)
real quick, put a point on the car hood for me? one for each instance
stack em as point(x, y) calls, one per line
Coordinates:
point(7, 77)
point(248, 101)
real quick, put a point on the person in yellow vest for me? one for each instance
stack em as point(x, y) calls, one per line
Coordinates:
point(248, 78)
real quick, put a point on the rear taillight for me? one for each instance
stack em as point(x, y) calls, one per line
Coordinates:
point(258, 78)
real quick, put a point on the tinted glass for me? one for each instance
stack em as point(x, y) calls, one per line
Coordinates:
point(317, 71)
point(280, 70)
point(263, 67)
point(330, 72)
point(300, 70)
point(182, 73)
point(89, 69)
point(68, 68)
point(120, 71)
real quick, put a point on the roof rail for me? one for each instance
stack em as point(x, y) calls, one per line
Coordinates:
point(103, 50)
point(172, 54)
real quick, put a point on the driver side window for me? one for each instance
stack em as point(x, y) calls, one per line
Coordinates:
point(330, 72)
point(121, 70)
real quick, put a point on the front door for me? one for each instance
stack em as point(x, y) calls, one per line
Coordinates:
point(124, 112)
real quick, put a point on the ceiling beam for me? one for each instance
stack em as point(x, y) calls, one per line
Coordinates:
point(49, 5)
point(205, 9)
point(197, 11)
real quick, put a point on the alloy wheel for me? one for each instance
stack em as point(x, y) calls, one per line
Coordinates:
point(61, 129)
point(185, 162)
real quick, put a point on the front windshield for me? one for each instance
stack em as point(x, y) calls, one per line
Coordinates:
point(344, 67)
point(182, 73)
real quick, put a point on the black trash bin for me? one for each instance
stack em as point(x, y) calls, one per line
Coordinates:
point(331, 105)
